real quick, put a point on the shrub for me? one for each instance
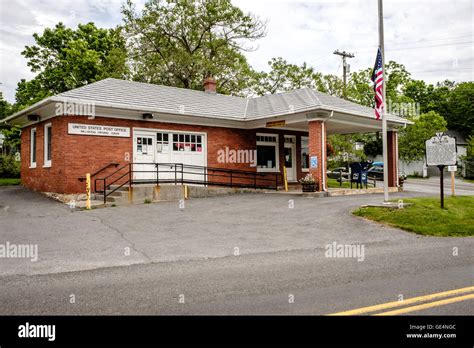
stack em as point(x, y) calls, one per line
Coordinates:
point(9, 167)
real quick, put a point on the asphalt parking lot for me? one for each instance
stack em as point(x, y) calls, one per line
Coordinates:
point(237, 254)
point(71, 240)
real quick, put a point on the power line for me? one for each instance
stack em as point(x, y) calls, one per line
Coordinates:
point(427, 46)
point(368, 48)
point(436, 70)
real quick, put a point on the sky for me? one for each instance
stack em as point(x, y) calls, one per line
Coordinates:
point(432, 38)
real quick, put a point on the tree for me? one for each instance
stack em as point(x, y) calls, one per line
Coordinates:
point(455, 102)
point(181, 43)
point(360, 89)
point(284, 76)
point(374, 146)
point(64, 59)
point(5, 107)
point(11, 142)
point(397, 77)
point(460, 109)
point(412, 138)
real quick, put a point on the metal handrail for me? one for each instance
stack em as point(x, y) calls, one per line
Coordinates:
point(82, 178)
point(208, 173)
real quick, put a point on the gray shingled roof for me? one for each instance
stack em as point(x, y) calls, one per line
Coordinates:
point(144, 96)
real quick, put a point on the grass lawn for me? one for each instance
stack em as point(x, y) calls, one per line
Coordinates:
point(426, 217)
point(5, 182)
point(469, 180)
point(333, 183)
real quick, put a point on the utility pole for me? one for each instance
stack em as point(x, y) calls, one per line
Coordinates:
point(344, 55)
point(384, 113)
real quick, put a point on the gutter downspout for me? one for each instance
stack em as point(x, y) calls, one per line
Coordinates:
point(323, 149)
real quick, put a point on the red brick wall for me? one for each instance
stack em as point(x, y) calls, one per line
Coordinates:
point(49, 179)
point(75, 155)
point(316, 137)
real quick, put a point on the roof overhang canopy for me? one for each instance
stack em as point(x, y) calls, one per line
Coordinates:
point(130, 100)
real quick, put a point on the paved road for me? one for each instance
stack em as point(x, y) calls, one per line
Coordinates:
point(191, 252)
point(431, 186)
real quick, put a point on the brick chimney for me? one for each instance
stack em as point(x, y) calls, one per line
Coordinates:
point(210, 85)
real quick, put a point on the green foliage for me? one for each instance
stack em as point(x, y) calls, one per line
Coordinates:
point(360, 89)
point(64, 59)
point(455, 102)
point(181, 43)
point(374, 147)
point(5, 107)
point(284, 76)
point(412, 138)
point(397, 77)
point(11, 142)
point(470, 146)
point(460, 113)
point(344, 150)
point(9, 182)
point(9, 167)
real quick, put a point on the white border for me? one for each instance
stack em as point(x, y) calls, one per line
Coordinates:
point(304, 170)
point(33, 164)
point(144, 131)
point(293, 147)
point(47, 163)
point(277, 152)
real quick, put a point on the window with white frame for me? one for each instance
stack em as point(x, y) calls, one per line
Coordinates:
point(33, 148)
point(162, 142)
point(305, 153)
point(47, 145)
point(267, 153)
point(187, 142)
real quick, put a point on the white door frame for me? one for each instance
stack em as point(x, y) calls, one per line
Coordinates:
point(145, 167)
point(291, 174)
point(151, 132)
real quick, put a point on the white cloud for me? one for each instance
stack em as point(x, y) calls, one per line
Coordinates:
point(300, 31)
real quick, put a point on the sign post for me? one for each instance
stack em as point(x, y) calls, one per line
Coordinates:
point(453, 170)
point(441, 152)
point(441, 185)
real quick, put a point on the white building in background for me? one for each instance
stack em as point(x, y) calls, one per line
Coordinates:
point(418, 168)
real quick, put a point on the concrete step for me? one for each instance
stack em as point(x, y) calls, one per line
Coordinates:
point(145, 193)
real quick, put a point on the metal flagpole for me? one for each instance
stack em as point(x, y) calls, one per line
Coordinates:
point(384, 117)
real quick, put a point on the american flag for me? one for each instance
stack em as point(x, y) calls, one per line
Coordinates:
point(377, 79)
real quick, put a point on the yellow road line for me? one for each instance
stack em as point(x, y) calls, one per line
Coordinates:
point(428, 305)
point(409, 301)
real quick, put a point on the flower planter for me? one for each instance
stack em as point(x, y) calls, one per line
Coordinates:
point(310, 187)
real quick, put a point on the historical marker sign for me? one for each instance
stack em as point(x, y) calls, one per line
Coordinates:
point(441, 150)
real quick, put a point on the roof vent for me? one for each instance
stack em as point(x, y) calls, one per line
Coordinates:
point(210, 85)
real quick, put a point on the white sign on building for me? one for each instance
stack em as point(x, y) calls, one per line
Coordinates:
point(92, 129)
point(441, 150)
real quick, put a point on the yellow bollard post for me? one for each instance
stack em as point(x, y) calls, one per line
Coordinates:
point(88, 191)
point(185, 191)
point(285, 179)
